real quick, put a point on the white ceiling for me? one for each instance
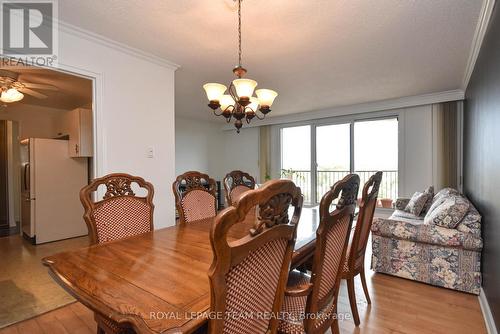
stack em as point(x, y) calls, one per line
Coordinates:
point(316, 54)
point(72, 91)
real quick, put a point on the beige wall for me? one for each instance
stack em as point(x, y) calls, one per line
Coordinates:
point(211, 147)
point(194, 143)
point(34, 121)
point(128, 123)
point(207, 147)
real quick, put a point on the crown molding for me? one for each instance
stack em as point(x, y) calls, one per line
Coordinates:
point(120, 47)
point(398, 103)
point(477, 41)
point(488, 316)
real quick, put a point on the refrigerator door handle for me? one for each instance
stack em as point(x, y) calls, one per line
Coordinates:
point(26, 171)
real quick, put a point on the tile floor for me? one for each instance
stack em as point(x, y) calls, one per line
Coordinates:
point(26, 289)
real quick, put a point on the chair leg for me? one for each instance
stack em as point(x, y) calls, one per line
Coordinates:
point(100, 330)
point(335, 327)
point(352, 300)
point(365, 287)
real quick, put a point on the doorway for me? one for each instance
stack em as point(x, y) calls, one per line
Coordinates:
point(50, 157)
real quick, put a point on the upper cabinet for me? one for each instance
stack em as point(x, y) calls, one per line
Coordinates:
point(79, 126)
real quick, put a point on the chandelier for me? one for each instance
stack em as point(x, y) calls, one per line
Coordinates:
point(239, 103)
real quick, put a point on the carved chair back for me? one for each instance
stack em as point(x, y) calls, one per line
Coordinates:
point(236, 183)
point(120, 213)
point(332, 238)
point(195, 196)
point(250, 274)
point(364, 222)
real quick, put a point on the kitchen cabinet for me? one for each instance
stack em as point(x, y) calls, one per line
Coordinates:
point(79, 127)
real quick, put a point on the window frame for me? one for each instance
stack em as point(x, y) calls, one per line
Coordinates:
point(348, 119)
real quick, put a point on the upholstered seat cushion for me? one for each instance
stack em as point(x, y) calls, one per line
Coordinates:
point(293, 310)
point(416, 230)
point(405, 215)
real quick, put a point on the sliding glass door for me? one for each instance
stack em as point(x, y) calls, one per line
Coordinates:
point(315, 156)
point(333, 156)
point(376, 148)
point(296, 158)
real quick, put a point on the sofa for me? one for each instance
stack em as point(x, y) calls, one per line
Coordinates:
point(421, 249)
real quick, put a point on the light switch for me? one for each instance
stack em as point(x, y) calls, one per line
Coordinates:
point(151, 152)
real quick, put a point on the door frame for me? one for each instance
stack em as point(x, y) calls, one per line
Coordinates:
point(4, 155)
point(97, 123)
point(98, 138)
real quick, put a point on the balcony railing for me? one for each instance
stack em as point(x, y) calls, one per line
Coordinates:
point(325, 179)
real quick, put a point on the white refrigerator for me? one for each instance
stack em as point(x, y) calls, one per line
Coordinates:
point(50, 183)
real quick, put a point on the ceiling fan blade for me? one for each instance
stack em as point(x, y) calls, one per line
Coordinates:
point(33, 93)
point(39, 86)
point(13, 67)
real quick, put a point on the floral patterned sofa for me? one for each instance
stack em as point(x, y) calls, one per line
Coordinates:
point(406, 246)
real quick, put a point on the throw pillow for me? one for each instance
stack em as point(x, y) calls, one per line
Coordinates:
point(417, 203)
point(436, 203)
point(445, 192)
point(430, 192)
point(449, 213)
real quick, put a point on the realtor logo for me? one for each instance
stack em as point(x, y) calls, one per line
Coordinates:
point(29, 30)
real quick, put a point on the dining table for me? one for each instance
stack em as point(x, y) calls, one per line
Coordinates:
point(157, 282)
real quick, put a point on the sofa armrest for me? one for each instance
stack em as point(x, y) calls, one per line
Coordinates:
point(425, 233)
point(401, 203)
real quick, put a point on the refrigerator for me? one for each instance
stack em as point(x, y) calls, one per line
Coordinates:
point(51, 181)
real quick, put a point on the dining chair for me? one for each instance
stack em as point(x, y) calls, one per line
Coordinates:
point(248, 275)
point(355, 259)
point(310, 303)
point(236, 183)
point(120, 213)
point(195, 196)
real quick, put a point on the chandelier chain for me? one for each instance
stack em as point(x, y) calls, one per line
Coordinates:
point(239, 33)
point(232, 105)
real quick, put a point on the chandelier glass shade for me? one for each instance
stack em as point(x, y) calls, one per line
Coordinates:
point(239, 102)
point(11, 95)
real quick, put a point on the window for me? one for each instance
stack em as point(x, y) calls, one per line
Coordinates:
point(360, 146)
point(333, 157)
point(296, 157)
point(376, 148)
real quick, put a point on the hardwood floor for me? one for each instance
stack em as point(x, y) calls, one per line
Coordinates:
point(398, 306)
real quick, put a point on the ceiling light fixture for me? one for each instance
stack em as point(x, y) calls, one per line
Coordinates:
point(239, 103)
point(11, 95)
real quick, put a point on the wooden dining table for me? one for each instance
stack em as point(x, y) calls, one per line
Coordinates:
point(156, 282)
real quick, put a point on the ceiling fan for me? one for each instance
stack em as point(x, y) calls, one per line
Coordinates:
point(13, 90)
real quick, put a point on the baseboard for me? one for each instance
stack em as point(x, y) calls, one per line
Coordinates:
point(488, 317)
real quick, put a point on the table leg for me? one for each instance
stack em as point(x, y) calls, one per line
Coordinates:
point(108, 326)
